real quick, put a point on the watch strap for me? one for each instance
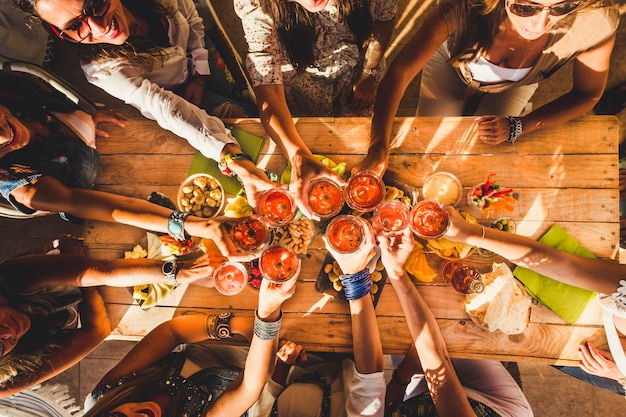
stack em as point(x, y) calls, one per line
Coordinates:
point(515, 128)
point(170, 269)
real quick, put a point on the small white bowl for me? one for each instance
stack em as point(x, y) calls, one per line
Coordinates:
point(201, 195)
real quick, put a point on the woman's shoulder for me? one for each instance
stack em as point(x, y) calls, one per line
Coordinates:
point(590, 26)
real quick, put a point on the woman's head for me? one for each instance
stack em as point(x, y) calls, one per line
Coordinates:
point(531, 20)
point(84, 21)
point(13, 325)
point(13, 133)
point(132, 395)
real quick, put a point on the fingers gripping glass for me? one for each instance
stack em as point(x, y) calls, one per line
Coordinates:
point(533, 9)
point(78, 29)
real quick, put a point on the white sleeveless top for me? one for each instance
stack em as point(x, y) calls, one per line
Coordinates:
point(486, 72)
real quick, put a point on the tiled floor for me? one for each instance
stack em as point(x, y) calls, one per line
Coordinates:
point(550, 393)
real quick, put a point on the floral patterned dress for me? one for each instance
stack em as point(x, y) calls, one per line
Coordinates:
point(321, 90)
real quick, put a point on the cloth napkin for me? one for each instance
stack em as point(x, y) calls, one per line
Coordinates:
point(565, 300)
point(250, 145)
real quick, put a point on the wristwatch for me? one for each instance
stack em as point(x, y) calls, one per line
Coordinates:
point(170, 269)
point(515, 128)
point(227, 159)
point(176, 225)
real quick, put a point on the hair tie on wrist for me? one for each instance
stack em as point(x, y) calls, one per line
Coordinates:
point(217, 326)
point(265, 330)
point(357, 285)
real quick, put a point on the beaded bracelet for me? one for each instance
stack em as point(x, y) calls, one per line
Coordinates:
point(217, 326)
point(267, 330)
point(357, 285)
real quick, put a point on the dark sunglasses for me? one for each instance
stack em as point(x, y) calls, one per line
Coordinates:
point(78, 29)
point(559, 9)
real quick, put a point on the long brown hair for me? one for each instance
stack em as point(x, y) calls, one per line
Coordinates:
point(295, 26)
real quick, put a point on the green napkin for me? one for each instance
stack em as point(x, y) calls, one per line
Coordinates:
point(250, 145)
point(565, 300)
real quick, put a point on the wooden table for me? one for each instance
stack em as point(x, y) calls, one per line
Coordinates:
point(566, 175)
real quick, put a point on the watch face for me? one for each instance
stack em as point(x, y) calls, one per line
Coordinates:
point(175, 227)
point(168, 268)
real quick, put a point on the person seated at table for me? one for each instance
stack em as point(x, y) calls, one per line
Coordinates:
point(486, 58)
point(452, 388)
point(140, 50)
point(48, 164)
point(43, 298)
point(305, 58)
point(334, 388)
point(601, 368)
point(173, 371)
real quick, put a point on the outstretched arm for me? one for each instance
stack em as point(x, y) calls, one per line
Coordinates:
point(592, 274)
point(409, 62)
point(443, 383)
point(278, 123)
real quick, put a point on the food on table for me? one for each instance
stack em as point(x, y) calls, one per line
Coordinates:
point(237, 207)
point(297, 235)
point(250, 234)
point(392, 216)
point(333, 272)
point(278, 263)
point(344, 234)
point(429, 219)
point(394, 193)
point(201, 195)
point(174, 246)
point(489, 197)
point(417, 264)
point(505, 224)
point(324, 197)
point(230, 278)
point(443, 187)
point(339, 169)
point(504, 305)
point(447, 249)
point(364, 191)
point(138, 252)
point(276, 207)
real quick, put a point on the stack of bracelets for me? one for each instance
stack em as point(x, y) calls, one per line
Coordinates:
point(357, 285)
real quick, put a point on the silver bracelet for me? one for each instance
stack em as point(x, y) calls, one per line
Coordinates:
point(515, 128)
point(267, 330)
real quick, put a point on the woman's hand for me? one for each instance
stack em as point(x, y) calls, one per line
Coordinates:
point(363, 91)
point(493, 130)
point(218, 230)
point(107, 116)
point(375, 162)
point(459, 227)
point(291, 353)
point(395, 250)
point(598, 362)
point(304, 169)
point(199, 270)
point(351, 263)
point(272, 296)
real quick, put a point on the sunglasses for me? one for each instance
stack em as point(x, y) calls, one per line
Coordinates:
point(559, 9)
point(78, 29)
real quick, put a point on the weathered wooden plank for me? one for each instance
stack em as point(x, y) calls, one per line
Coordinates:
point(531, 171)
point(587, 135)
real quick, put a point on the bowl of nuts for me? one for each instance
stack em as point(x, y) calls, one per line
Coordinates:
point(201, 195)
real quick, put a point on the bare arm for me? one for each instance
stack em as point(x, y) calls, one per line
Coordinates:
point(30, 273)
point(593, 274)
point(279, 124)
point(443, 383)
point(409, 62)
point(591, 70)
point(75, 346)
point(49, 194)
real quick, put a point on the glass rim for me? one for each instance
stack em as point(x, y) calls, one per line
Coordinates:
point(414, 210)
point(240, 267)
point(353, 220)
point(308, 190)
point(292, 201)
point(355, 206)
point(275, 247)
point(262, 246)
